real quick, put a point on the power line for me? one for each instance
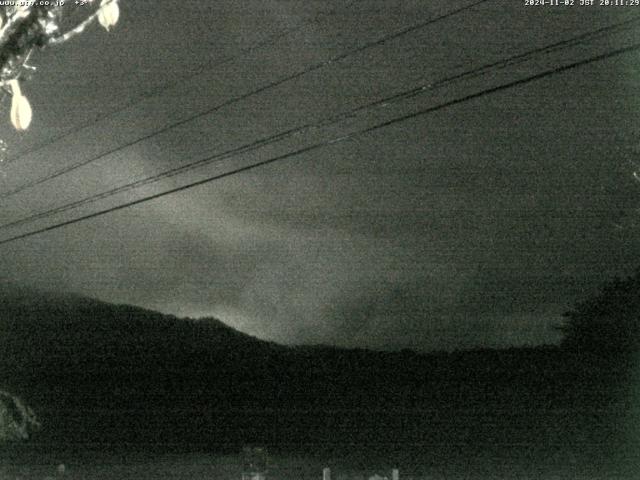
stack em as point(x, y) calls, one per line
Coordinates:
point(519, 58)
point(327, 143)
point(270, 40)
point(244, 96)
point(483, 69)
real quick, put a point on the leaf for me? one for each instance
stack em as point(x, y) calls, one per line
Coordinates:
point(21, 112)
point(20, 108)
point(108, 14)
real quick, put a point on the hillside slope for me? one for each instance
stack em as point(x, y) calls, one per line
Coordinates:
point(123, 376)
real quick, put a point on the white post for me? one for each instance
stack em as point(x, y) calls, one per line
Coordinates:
point(326, 473)
point(395, 474)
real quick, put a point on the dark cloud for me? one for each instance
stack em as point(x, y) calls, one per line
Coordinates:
point(477, 225)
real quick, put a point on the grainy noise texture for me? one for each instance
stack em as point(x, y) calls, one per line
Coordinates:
point(343, 232)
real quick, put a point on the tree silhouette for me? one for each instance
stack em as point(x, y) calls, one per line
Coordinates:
point(607, 323)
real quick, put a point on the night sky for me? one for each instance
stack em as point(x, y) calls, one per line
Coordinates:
point(473, 225)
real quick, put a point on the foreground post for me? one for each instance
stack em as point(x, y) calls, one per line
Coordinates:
point(326, 473)
point(395, 474)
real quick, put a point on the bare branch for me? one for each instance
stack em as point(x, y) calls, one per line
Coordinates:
point(57, 40)
point(13, 22)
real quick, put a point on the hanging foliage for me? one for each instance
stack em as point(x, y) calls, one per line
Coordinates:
point(24, 29)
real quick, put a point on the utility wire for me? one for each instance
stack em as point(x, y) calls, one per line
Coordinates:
point(403, 118)
point(481, 70)
point(269, 40)
point(520, 58)
point(236, 99)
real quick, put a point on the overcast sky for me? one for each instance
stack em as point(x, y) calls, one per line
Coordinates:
point(475, 225)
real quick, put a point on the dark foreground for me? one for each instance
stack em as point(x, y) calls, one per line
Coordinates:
point(433, 462)
point(127, 393)
point(529, 425)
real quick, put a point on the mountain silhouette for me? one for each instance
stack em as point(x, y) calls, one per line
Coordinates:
point(76, 357)
point(124, 377)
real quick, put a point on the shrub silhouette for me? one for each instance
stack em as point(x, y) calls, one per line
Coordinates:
point(607, 323)
point(17, 420)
